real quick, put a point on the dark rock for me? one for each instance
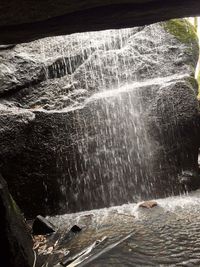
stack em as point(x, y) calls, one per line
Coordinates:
point(20, 68)
point(42, 226)
point(15, 124)
point(22, 21)
point(119, 128)
point(19, 71)
point(190, 180)
point(69, 235)
point(75, 229)
point(25, 66)
point(16, 243)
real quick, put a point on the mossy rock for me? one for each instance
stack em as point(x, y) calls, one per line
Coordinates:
point(194, 84)
point(182, 29)
point(186, 33)
point(198, 81)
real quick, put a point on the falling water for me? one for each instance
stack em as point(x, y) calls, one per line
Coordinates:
point(116, 157)
point(108, 117)
point(102, 99)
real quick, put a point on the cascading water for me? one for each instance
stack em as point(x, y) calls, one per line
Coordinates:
point(110, 117)
point(116, 158)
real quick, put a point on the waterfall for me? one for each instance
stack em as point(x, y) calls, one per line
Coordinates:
point(115, 115)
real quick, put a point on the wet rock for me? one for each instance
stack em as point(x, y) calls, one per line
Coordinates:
point(19, 71)
point(128, 109)
point(148, 204)
point(4, 47)
point(15, 124)
point(70, 235)
point(16, 243)
point(75, 229)
point(42, 226)
point(190, 180)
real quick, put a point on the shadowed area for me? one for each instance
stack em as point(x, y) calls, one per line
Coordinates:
point(22, 21)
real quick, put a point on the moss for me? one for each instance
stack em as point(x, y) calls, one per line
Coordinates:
point(194, 84)
point(198, 81)
point(182, 29)
point(186, 33)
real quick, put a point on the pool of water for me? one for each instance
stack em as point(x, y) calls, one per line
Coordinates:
point(129, 235)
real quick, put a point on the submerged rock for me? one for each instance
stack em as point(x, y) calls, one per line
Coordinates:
point(115, 121)
point(69, 235)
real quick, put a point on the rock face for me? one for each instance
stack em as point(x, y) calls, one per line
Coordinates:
point(16, 249)
point(23, 20)
point(114, 119)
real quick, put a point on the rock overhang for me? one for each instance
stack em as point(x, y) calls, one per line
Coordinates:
point(22, 21)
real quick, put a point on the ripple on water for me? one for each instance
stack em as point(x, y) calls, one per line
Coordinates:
point(167, 235)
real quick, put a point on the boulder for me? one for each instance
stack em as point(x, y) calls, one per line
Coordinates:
point(121, 125)
point(41, 226)
point(27, 70)
point(14, 129)
point(16, 242)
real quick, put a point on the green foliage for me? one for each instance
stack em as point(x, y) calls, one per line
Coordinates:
point(196, 24)
point(182, 29)
point(194, 84)
point(186, 33)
